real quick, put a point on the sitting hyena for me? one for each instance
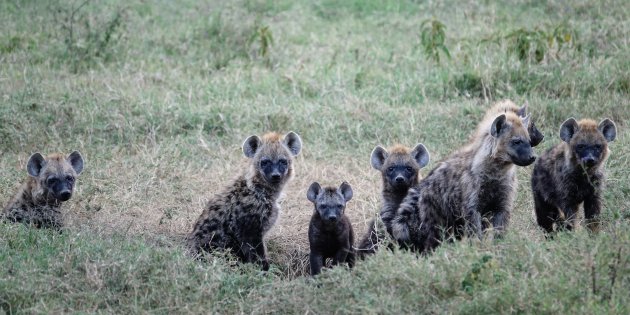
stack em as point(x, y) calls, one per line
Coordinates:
point(399, 169)
point(239, 218)
point(475, 184)
point(330, 233)
point(572, 173)
point(50, 183)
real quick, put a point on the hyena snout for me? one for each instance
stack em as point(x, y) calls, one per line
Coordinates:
point(61, 188)
point(521, 152)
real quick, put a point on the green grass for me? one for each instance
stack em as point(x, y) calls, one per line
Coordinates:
point(158, 96)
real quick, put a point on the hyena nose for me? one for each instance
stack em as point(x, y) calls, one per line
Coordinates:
point(275, 177)
point(400, 179)
point(332, 218)
point(590, 161)
point(65, 195)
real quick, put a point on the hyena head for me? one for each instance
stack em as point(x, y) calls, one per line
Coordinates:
point(55, 174)
point(588, 141)
point(399, 167)
point(272, 156)
point(535, 136)
point(330, 202)
point(513, 142)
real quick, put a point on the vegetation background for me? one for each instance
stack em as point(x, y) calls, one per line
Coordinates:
point(159, 95)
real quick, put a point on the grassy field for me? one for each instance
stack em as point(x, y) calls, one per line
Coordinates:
point(159, 95)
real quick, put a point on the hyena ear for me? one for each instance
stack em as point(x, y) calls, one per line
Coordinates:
point(535, 136)
point(525, 120)
point(251, 145)
point(608, 129)
point(293, 142)
point(346, 191)
point(421, 155)
point(313, 191)
point(35, 164)
point(498, 125)
point(378, 156)
point(76, 160)
point(568, 129)
point(522, 112)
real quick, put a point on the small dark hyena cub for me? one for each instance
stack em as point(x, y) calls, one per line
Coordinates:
point(330, 232)
point(239, 218)
point(50, 183)
point(399, 169)
point(572, 173)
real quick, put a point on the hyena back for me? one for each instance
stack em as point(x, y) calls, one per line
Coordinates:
point(399, 167)
point(572, 173)
point(330, 233)
point(50, 183)
point(238, 218)
point(470, 191)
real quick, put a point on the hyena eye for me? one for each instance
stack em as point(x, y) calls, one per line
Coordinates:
point(391, 169)
point(581, 147)
point(51, 181)
point(283, 162)
point(70, 179)
point(517, 141)
point(264, 163)
point(409, 169)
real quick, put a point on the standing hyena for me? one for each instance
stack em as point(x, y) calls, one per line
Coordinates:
point(50, 183)
point(239, 218)
point(399, 169)
point(330, 233)
point(475, 184)
point(572, 173)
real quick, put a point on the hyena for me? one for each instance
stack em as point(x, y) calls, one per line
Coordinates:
point(399, 167)
point(468, 192)
point(572, 173)
point(238, 218)
point(330, 233)
point(49, 184)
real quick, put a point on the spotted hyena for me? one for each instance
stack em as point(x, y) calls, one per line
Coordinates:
point(330, 233)
point(399, 167)
point(572, 173)
point(50, 183)
point(240, 216)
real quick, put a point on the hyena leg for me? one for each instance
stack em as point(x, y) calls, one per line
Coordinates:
point(340, 256)
point(253, 250)
point(500, 221)
point(317, 261)
point(569, 217)
point(592, 207)
point(473, 224)
point(546, 213)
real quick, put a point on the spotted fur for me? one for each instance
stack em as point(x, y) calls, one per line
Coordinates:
point(239, 218)
point(50, 183)
point(572, 173)
point(470, 191)
point(399, 167)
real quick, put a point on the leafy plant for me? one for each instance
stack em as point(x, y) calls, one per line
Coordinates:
point(85, 38)
point(534, 45)
point(433, 35)
point(264, 37)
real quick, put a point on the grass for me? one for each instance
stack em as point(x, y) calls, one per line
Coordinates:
point(159, 96)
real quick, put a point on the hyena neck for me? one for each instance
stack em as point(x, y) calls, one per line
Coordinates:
point(392, 197)
point(258, 184)
point(485, 161)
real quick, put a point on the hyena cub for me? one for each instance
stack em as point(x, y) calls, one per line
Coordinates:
point(399, 168)
point(330, 232)
point(50, 183)
point(505, 106)
point(572, 173)
point(470, 191)
point(239, 218)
